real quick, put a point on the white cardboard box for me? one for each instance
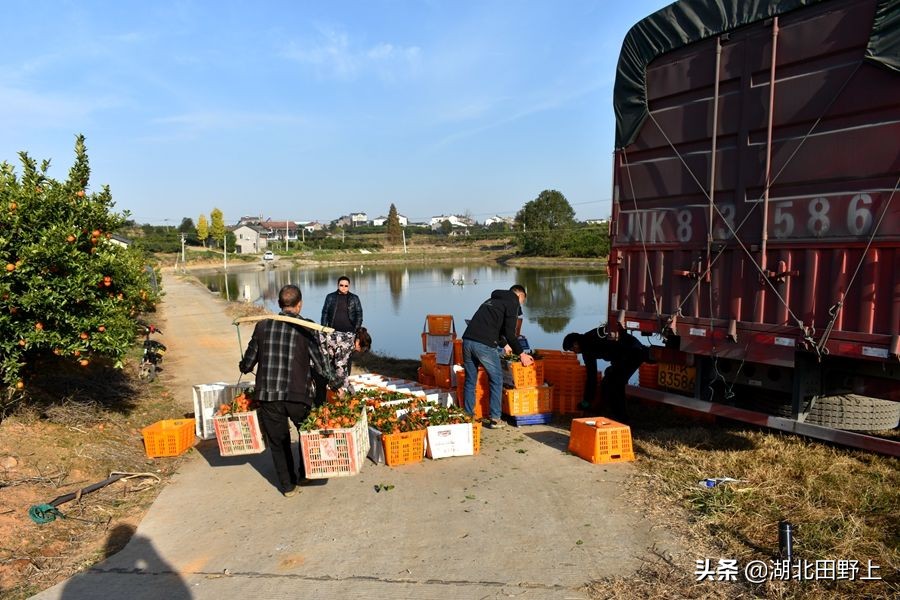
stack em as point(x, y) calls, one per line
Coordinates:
point(208, 397)
point(449, 440)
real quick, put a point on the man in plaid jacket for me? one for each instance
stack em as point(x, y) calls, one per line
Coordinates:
point(283, 354)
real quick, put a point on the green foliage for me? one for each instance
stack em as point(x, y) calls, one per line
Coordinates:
point(157, 238)
point(394, 231)
point(66, 289)
point(586, 242)
point(542, 223)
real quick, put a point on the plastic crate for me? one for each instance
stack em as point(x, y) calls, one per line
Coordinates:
point(539, 419)
point(476, 437)
point(239, 433)
point(439, 324)
point(567, 402)
point(335, 452)
point(457, 351)
point(170, 437)
point(444, 377)
point(429, 361)
point(403, 448)
point(528, 401)
point(425, 378)
point(482, 393)
point(600, 440)
point(440, 345)
point(517, 375)
point(208, 397)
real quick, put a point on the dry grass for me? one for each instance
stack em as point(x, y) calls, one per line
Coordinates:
point(844, 504)
point(74, 429)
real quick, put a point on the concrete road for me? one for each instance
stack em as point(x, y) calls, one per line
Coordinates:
point(522, 519)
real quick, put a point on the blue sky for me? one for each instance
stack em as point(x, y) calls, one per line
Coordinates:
point(311, 110)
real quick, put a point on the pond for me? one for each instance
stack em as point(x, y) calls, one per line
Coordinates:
point(395, 299)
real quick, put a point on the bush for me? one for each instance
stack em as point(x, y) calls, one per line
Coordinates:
point(66, 288)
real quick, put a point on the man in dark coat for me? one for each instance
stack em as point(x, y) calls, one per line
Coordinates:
point(625, 355)
point(494, 320)
point(283, 354)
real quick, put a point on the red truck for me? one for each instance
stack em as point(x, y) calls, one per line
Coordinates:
point(756, 210)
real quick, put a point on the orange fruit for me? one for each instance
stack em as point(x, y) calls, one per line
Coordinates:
point(39, 326)
point(10, 267)
point(80, 193)
point(20, 385)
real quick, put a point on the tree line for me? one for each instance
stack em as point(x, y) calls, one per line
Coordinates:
point(545, 226)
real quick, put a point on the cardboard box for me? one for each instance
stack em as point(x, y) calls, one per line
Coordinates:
point(443, 441)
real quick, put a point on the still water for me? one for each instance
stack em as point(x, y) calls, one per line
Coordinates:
point(395, 299)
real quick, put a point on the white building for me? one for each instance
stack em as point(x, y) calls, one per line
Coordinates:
point(379, 221)
point(250, 239)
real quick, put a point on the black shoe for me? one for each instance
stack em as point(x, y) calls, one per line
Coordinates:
point(495, 423)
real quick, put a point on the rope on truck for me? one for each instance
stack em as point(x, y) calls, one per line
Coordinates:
point(809, 331)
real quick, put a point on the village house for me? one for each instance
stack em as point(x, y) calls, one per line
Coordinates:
point(250, 238)
point(379, 221)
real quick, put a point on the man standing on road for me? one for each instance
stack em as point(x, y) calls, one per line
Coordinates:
point(284, 353)
point(625, 354)
point(343, 312)
point(495, 319)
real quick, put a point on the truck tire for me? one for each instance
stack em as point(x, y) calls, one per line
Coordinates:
point(851, 412)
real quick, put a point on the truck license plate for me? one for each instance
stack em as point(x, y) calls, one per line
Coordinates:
point(677, 377)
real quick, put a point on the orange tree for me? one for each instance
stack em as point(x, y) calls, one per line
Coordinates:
point(65, 287)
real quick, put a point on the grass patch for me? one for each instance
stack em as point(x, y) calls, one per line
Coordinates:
point(843, 504)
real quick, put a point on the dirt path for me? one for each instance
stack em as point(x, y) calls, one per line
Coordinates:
point(522, 519)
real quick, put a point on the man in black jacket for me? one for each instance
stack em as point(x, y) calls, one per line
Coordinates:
point(494, 320)
point(283, 353)
point(625, 354)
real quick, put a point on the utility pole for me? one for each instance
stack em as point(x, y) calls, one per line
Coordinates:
point(225, 250)
point(182, 252)
point(286, 233)
point(405, 251)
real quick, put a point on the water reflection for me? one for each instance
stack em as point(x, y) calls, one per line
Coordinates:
point(396, 298)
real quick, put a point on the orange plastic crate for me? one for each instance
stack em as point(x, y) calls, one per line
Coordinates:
point(476, 437)
point(439, 324)
point(600, 440)
point(429, 361)
point(482, 393)
point(403, 448)
point(566, 403)
point(442, 376)
point(424, 379)
point(169, 437)
point(517, 375)
point(457, 351)
point(527, 401)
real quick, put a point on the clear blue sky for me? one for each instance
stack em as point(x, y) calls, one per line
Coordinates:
point(311, 110)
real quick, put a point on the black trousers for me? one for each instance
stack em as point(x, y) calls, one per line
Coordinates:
point(273, 419)
point(612, 389)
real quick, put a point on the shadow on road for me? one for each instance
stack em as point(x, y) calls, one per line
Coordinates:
point(135, 571)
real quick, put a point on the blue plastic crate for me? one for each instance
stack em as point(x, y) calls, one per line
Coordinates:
point(538, 419)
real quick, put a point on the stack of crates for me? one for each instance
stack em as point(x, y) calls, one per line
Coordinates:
point(565, 374)
point(482, 393)
point(426, 370)
point(527, 400)
point(438, 337)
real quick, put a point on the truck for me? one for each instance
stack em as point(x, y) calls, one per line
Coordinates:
point(755, 226)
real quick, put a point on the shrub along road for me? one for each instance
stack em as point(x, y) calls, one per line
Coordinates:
point(522, 519)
